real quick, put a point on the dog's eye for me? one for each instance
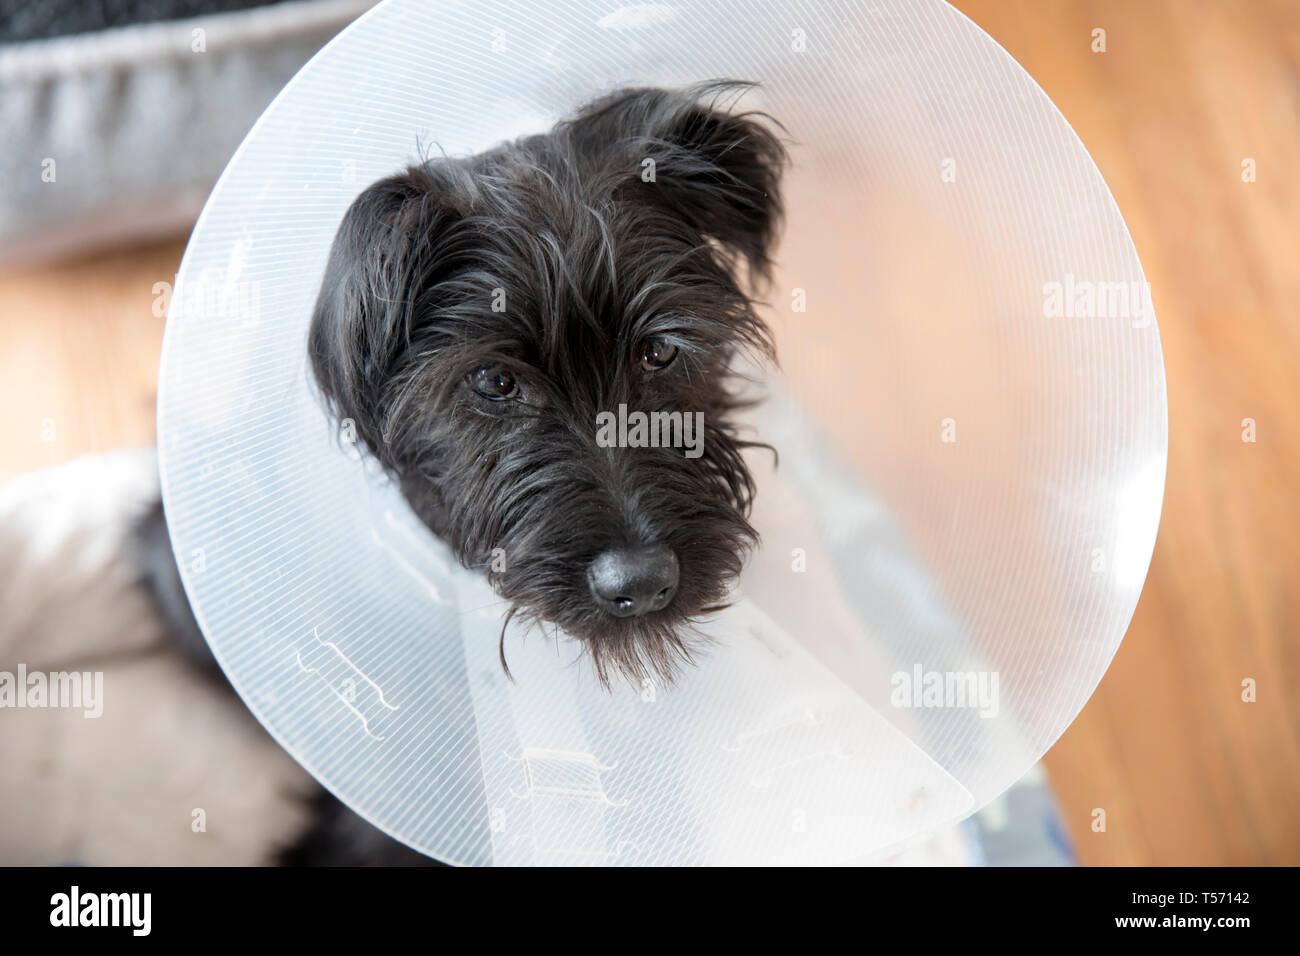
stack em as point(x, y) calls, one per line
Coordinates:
point(494, 384)
point(657, 353)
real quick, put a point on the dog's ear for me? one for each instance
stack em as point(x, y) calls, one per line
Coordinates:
point(717, 170)
point(384, 253)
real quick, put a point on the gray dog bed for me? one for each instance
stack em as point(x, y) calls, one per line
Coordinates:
point(120, 116)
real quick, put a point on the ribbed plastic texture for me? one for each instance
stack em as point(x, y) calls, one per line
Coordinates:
point(972, 433)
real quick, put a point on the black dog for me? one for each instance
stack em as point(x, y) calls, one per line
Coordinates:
point(618, 284)
point(478, 314)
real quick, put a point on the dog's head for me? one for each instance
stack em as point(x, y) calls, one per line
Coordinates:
point(494, 326)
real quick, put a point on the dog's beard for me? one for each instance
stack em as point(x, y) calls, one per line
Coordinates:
point(533, 514)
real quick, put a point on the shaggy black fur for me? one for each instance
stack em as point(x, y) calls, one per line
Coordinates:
point(478, 313)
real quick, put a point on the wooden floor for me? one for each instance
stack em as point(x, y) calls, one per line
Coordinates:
point(1187, 772)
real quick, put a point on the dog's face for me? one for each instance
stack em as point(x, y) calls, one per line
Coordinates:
point(479, 314)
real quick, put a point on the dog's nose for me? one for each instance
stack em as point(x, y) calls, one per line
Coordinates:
point(629, 582)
